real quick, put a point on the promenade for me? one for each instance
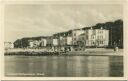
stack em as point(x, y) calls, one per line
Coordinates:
point(88, 51)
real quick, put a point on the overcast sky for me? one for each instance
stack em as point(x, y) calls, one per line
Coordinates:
point(40, 20)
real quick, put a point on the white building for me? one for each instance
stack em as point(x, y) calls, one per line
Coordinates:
point(90, 37)
point(96, 37)
point(31, 44)
point(102, 37)
point(55, 42)
point(69, 40)
point(8, 45)
point(34, 43)
point(43, 42)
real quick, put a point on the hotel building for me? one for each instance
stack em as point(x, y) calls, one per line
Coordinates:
point(95, 37)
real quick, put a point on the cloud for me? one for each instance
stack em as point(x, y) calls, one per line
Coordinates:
point(36, 20)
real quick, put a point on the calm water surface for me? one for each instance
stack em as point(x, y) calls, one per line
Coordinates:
point(64, 66)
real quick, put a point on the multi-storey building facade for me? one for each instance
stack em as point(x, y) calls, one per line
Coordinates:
point(72, 39)
point(75, 35)
point(102, 37)
point(95, 37)
point(83, 38)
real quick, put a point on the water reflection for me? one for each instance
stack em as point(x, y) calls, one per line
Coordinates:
point(115, 69)
point(64, 66)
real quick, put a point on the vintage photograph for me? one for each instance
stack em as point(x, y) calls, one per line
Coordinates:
point(63, 40)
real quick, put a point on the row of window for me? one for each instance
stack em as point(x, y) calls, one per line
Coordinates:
point(92, 37)
point(97, 43)
point(100, 31)
point(93, 32)
point(98, 37)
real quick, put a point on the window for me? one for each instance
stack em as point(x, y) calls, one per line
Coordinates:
point(86, 37)
point(92, 42)
point(101, 42)
point(87, 32)
point(101, 37)
point(74, 38)
point(82, 38)
point(99, 31)
point(74, 34)
point(92, 37)
point(97, 37)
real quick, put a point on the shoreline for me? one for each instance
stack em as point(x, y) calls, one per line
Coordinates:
point(40, 52)
point(80, 53)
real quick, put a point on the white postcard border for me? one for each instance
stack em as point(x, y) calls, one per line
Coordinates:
point(3, 3)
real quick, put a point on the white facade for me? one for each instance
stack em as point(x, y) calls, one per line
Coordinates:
point(96, 37)
point(8, 45)
point(66, 41)
point(69, 40)
point(90, 37)
point(55, 42)
point(31, 44)
point(43, 42)
point(37, 43)
point(102, 37)
point(34, 43)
